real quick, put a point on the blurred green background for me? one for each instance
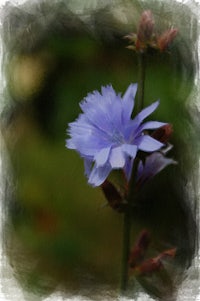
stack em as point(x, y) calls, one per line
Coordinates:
point(59, 232)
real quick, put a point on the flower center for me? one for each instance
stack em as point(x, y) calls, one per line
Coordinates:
point(117, 137)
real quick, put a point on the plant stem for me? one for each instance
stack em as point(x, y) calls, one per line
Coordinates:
point(125, 250)
point(132, 184)
point(141, 81)
point(127, 229)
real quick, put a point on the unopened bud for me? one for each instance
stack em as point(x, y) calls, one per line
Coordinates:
point(146, 26)
point(149, 266)
point(152, 265)
point(138, 251)
point(165, 39)
point(163, 133)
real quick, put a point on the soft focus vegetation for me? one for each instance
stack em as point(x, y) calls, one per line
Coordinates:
point(61, 232)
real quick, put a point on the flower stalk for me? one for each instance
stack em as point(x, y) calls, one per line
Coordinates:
point(141, 81)
point(132, 184)
point(125, 250)
point(126, 241)
point(108, 141)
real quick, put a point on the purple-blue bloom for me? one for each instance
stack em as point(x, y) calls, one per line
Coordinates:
point(154, 163)
point(106, 136)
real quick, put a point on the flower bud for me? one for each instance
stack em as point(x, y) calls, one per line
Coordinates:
point(138, 251)
point(152, 265)
point(146, 26)
point(146, 36)
point(163, 133)
point(165, 39)
point(149, 266)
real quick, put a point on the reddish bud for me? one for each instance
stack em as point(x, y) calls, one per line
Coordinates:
point(113, 196)
point(149, 266)
point(163, 133)
point(137, 252)
point(165, 39)
point(152, 265)
point(168, 253)
point(144, 239)
point(146, 26)
point(146, 35)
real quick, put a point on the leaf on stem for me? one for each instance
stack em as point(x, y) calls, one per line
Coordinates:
point(113, 196)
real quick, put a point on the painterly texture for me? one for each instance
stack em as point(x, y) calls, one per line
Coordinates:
point(58, 235)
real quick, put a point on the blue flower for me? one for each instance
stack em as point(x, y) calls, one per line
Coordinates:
point(154, 163)
point(106, 136)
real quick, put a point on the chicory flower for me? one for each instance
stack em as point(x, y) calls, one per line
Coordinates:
point(106, 136)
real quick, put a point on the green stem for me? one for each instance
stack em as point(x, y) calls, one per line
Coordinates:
point(125, 250)
point(127, 230)
point(141, 81)
point(132, 184)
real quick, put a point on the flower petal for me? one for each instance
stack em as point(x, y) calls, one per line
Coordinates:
point(99, 174)
point(108, 92)
point(102, 156)
point(148, 144)
point(117, 158)
point(88, 166)
point(97, 107)
point(157, 162)
point(130, 150)
point(70, 144)
point(151, 125)
point(128, 101)
point(128, 167)
point(86, 138)
point(154, 163)
point(146, 112)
